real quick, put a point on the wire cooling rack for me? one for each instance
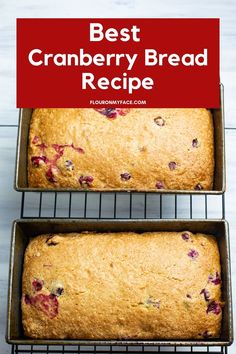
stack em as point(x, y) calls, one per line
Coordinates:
point(114, 350)
point(121, 205)
point(113, 206)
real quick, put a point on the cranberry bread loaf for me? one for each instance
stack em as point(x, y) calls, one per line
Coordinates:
point(121, 149)
point(156, 285)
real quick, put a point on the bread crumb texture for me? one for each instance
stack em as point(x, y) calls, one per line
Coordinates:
point(121, 149)
point(154, 285)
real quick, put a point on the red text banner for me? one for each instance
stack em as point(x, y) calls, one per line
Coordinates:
point(118, 62)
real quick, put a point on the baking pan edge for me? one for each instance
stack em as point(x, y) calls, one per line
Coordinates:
point(213, 342)
point(18, 168)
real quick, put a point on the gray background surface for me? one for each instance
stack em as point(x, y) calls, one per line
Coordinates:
point(10, 201)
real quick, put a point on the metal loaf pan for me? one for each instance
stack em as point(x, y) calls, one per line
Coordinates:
point(24, 229)
point(22, 153)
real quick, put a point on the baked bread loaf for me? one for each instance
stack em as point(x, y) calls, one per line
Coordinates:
point(156, 285)
point(121, 149)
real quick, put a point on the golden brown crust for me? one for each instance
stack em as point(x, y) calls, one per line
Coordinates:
point(124, 285)
point(83, 143)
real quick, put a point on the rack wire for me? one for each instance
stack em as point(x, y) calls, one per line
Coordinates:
point(19, 349)
point(120, 205)
point(112, 206)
